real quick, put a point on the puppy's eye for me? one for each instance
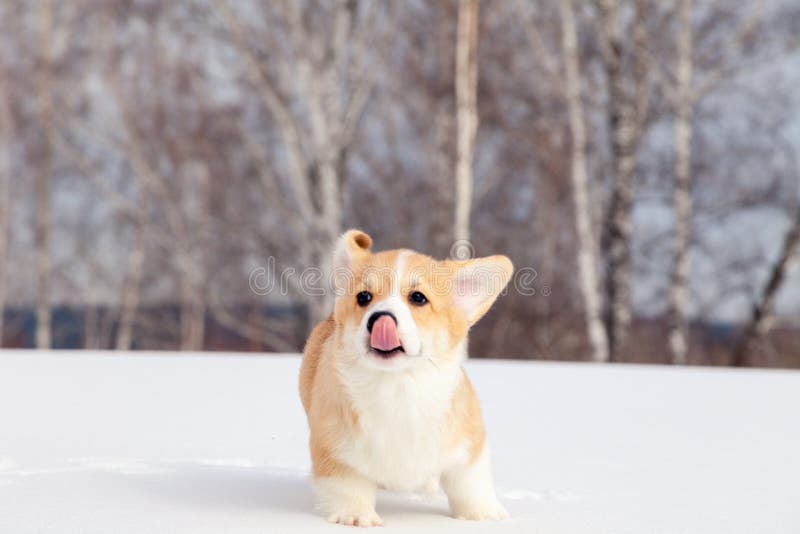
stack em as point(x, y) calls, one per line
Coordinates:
point(364, 298)
point(417, 298)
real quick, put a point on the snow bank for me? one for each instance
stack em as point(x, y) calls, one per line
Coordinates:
point(174, 443)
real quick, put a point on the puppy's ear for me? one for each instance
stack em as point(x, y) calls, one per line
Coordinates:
point(353, 246)
point(477, 283)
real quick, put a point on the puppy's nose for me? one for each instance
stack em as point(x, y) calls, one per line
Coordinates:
point(377, 315)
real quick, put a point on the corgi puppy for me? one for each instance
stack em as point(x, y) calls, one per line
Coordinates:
point(387, 401)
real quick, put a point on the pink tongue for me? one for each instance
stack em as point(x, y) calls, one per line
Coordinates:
point(384, 334)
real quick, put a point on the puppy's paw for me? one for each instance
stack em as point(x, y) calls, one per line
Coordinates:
point(481, 511)
point(359, 518)
point(348, 500)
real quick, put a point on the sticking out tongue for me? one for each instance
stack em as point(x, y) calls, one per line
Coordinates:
point(384, 335)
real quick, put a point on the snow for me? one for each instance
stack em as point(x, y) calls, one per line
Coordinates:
point(174, 443)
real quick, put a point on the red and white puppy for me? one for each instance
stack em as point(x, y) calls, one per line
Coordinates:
point(387, 400)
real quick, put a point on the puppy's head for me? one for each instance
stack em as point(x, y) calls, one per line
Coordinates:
point(399, 309)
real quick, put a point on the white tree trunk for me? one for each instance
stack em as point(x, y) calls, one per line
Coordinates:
point(42, 187)
point(466, 113)
point(193, 313)
point(441, 155)
point(193, 268)
point(191, 274)
point(6, 129)
point(682, 193)
point(90, 320)
point(587, 247)
point(130, 293)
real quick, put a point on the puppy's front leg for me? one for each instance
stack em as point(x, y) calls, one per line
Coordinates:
point(470, 490)
point(347, 498)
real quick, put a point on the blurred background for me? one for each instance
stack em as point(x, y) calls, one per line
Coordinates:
point(637, 158)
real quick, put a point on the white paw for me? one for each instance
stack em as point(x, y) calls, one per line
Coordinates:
point(491, 511)
point(357, 519)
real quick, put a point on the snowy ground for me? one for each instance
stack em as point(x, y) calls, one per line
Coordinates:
point(109, 443)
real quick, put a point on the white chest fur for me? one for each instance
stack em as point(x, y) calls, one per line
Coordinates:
point(402, 418)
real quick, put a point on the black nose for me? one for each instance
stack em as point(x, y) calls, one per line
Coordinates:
point(375, 316)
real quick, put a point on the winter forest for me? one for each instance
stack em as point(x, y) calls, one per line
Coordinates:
point(164, 165)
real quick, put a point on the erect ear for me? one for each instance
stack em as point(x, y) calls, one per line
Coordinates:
point(477, 284)
point(352, 246)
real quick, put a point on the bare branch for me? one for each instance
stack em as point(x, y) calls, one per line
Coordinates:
point(286, 124)
point(761, 316)
point(540, 51)
point(728, 62)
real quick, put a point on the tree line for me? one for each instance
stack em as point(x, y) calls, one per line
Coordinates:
point(639, 155)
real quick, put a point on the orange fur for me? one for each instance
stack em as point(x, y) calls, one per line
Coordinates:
point(332, 413)
point(312, 353)
point(465, 421)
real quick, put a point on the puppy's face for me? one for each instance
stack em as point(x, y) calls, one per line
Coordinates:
point(399, 309)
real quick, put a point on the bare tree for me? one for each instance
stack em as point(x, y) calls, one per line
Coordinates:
point(6, 135)
point(762, 314)
point(179, 226)
point(333, 85)
point(626, 115)
point(466, 113)
point(682, 192)
point(587, 247)
point(683, 96)
point(131, 291)
point(128, 212)
point(169, 206)
point(196, 211)
point(168, 182)
point(43, 186)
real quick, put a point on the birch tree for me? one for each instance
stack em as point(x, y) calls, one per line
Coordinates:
point(682, 190)
point(587, 248)
point(466, 82)
point(627, 107)
point(131, 291)
point(43, 186)
point(6, 135)
point(683, 96)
